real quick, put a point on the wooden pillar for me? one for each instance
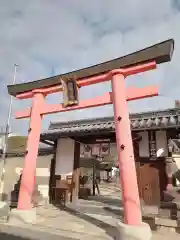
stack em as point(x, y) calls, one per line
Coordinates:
point(52, 174)
point(94, 177)
point(76, 172)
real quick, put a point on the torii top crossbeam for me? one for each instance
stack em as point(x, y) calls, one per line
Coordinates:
point(160, 53)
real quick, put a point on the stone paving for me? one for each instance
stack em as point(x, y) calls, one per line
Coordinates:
point(89, 217)
point(92, 218)
point(91, 222)
point(17, 233)
point(165, 236)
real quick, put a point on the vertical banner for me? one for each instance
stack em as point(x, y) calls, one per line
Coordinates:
point(152, 145)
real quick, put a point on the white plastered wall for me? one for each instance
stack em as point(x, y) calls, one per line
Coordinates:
point(161, 143)
point(64, 157)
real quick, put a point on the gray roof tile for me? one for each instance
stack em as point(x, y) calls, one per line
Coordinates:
point(159, 119)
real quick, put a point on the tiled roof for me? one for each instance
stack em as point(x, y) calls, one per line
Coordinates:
point(17, 146)
point(41, 152)
point(148, 120)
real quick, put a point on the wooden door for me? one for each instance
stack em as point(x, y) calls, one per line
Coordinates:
point(148, 183)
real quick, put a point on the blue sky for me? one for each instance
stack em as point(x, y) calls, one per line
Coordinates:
point(53, 36)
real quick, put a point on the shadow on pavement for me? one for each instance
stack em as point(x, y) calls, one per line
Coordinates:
point(106, 200)
point(18, 233)
point(109, 229)
point(117, 212)
point(6, 236)
point(148, 219)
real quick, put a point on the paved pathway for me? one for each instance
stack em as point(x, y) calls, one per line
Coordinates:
point(90, 219)
point(165, 236)
point(82, 223)
point(16, 233)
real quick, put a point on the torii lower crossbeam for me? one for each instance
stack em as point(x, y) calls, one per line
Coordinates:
point(131, 94)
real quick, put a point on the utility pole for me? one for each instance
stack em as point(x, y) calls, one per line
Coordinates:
point(5, 145)
point(52, 72)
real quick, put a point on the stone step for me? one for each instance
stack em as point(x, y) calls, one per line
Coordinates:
point(170, 205)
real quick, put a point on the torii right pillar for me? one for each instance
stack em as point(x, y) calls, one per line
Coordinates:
point(132, 228)
point(125, 152)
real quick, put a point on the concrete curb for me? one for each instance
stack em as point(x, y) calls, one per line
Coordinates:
point(17, 216)
point(130, 232)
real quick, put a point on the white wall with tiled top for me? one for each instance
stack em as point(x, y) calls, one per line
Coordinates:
point(40, 172)
point(13, 168)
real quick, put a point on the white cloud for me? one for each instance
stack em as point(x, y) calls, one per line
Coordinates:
point(43, 34)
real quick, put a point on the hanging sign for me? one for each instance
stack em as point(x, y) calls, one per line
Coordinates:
point(95, 149)
point(70, 92)
point(105, 149)
point(152, 145)
point(87, 151)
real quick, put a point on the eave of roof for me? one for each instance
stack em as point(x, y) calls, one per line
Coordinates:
point(161, 52)
point(141, 121)
point(41, 152)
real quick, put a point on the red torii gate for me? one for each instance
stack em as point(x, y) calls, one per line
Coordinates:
point(116, 70)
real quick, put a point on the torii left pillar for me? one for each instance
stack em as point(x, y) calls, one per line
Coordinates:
point(29, 170)
point(24, 209)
